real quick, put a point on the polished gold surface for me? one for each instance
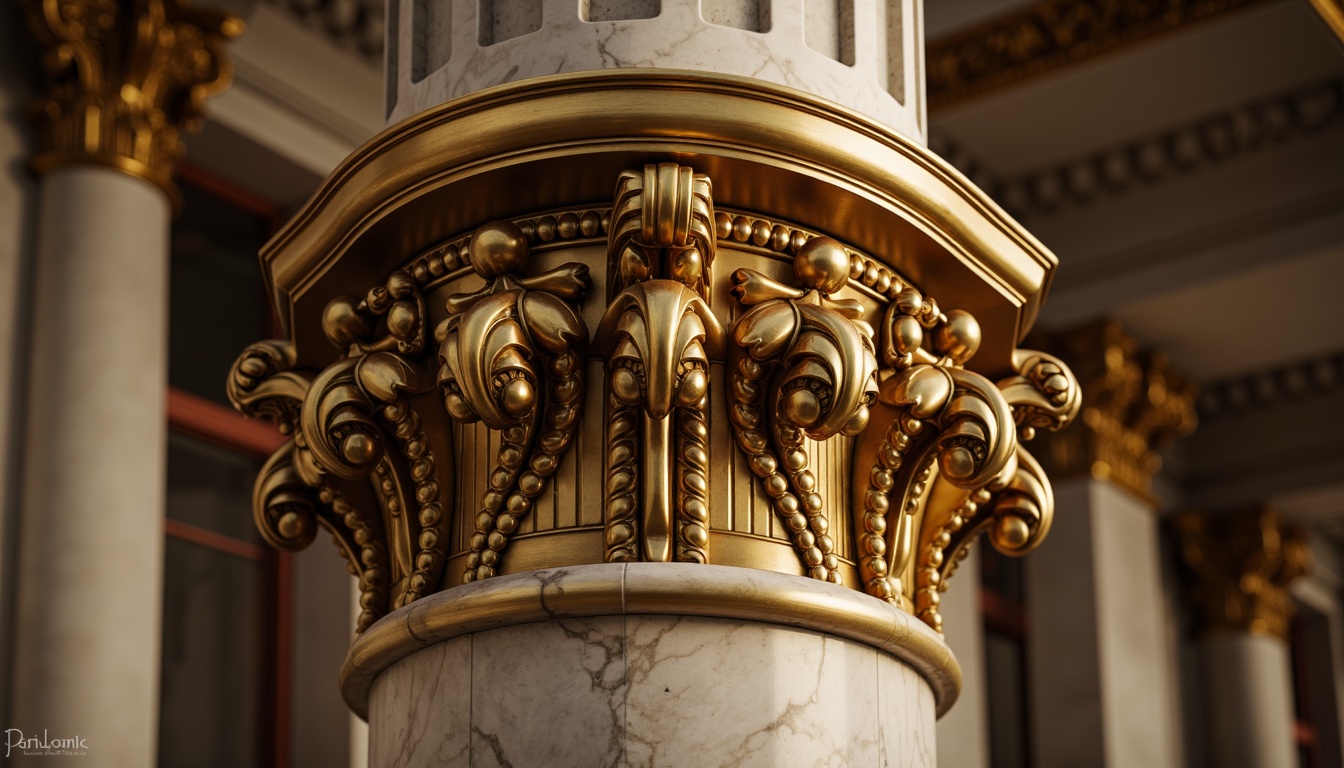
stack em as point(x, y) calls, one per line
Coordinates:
point(125, 80)
point(646, 374)
point(1239, 567)
point(1134, 405)
point(1048, 35)
point(1332, 13)
point(636, 589)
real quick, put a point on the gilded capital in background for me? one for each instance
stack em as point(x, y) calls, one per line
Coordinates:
point(1239, 568)
point(125, 79)
point(1134, 404)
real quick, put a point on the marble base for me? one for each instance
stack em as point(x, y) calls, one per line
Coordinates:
point(648, 690)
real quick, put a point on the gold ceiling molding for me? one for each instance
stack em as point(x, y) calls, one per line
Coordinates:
point(1230, 134)
point(1239, 567)
point(1051, 35)
point(1332, 13)
point(1268, 388)
point(1200, 144)
point(125, 79)
point(1134, 404)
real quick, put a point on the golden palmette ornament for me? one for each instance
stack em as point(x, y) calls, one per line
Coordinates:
point(803, 366)
point(511, 356)
point(659, 337)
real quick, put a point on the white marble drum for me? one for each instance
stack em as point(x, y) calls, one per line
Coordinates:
point(646, 665)
point(866, 55)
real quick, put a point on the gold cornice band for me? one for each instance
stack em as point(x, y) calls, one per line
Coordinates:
point(1049, 35)
point(125, 81)
point(551, 142)
point(680, 589)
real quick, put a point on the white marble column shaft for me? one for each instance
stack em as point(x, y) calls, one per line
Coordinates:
point(644, 691)
point(1248, 696)
point(867, 55)
point(1100, 666)
point(963, 733)
point(86, 660)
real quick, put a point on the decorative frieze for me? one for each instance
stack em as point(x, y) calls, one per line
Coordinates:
point(1134, 404)
point(1239, 567)
point(126, 79)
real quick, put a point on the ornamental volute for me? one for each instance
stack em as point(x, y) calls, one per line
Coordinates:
point(125, 81)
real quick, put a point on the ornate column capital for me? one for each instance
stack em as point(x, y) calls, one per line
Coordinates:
point(1239, 567)
point(125, 79)
point(689, 373)
point(1134, 404)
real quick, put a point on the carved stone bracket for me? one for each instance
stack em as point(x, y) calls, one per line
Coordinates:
point(1239, 567)
point(1135, 405)
point(125, 80)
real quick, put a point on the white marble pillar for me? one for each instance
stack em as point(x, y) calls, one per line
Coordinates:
point(963, 733)
point(867, 55)
point(1248, 695)
point(1101, 673)
point(1240, 567)
point(86, 660)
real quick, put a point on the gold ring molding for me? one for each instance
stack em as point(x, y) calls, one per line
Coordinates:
point(679, 589)
point(552, 142)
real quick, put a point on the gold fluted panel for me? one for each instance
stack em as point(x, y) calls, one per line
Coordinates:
point(653, 373)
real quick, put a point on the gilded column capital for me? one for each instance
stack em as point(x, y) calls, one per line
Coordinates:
point(1134, 404)
point(125, 79)
point(676, 350)
point(1239, 568)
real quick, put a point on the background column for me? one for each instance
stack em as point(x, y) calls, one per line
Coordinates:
point(1101, 668)
point(123, 82)
point(1240, 567)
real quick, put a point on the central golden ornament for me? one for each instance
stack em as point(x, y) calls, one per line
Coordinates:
point(676, 318)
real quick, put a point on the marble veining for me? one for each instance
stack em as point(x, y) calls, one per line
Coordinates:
point(518, 43)
point(650, 691)
point(724, 693)
point(417, 706)
point(549, 694)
